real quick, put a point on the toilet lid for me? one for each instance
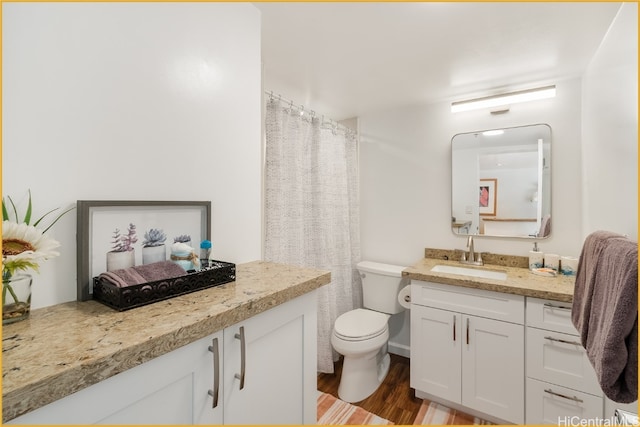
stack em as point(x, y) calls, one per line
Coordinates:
point(361, 324)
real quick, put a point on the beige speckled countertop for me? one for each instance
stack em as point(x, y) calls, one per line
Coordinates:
point(520, 281)
point(64, 348)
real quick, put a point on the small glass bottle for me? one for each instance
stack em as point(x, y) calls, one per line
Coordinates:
point(205, 253)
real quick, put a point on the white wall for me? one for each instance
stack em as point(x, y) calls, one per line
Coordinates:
point(405, 164)
point(610, 130)
point(133, 101)
point(405, 161)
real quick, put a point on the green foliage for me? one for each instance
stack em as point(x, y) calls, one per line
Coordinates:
point(27, 216)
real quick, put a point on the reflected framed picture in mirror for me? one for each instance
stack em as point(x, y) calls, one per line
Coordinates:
point(487, 196)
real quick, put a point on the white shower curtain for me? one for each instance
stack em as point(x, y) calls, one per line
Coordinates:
point(311, 209)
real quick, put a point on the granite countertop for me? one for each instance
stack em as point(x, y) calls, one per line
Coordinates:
point(520, 281)
point(64, 348)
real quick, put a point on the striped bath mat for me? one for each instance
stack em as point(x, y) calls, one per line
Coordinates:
point(332, 411)
point(432, 413)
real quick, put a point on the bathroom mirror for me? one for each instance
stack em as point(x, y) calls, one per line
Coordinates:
point(501, 182)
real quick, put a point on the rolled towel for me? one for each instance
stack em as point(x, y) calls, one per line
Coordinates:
point(123, 277)
point(143, 274)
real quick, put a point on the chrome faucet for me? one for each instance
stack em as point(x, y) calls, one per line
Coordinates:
point(473, 258)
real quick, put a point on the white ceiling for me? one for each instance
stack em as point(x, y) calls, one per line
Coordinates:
point(347, 59)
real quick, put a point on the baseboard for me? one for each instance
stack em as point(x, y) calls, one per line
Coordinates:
point(399, 349)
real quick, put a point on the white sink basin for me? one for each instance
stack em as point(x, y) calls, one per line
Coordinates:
point(474, 272)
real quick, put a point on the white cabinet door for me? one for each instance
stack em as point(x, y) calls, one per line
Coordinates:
point(493, 368)
point(270, 366)
point(435, 352)
point(165, 390)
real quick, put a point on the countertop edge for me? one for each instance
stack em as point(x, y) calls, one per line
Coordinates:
point(520, 281)
point(16, 403)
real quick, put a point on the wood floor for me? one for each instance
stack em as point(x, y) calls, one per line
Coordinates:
point(393, 400)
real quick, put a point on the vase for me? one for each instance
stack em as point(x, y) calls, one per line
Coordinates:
point(151, 254)
point(16, 298)
point(120, 260)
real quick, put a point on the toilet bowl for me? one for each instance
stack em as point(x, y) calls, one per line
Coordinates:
point(361, 335)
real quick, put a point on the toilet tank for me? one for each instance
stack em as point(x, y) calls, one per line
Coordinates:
point(381, 284)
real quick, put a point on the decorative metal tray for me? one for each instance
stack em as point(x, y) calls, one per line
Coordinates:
point(125, 298)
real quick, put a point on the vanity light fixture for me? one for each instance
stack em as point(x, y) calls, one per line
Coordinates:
point(504, 99)
point(493, 132)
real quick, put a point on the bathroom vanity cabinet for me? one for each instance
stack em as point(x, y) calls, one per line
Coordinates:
point(467, 348)
point(265, 363)
point(503, 350)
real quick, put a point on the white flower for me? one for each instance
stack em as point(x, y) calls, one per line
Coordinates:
point(24, 246)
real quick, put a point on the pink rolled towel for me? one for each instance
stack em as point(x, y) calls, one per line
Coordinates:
point(143, 273)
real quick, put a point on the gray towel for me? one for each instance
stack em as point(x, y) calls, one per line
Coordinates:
point(143, 273)
point(545, 226)
point(605, 312)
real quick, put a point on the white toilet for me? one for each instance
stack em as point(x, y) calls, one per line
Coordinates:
point(361, 335)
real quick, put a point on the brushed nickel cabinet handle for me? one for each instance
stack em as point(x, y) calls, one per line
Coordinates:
point(574, 398)
point(562, 341)
point(243, 357)
point(213, 348)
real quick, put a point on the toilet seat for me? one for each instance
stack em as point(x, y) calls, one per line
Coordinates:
point(360, 325)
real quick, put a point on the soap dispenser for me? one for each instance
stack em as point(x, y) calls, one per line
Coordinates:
point(536, 258)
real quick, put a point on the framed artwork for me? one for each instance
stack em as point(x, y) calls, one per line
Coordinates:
point(487, 196)
point(133, 229)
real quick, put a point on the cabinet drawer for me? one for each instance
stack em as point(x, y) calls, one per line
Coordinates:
point(552, 404)
point(560, 359)
point(492, 305)
point(550, 315)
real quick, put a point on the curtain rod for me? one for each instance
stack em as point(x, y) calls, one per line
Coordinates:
point(301, 108)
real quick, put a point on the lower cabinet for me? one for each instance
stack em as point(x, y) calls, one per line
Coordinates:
point(468, 352)
point(465, 359)
point(270, 377)
point(259, 371)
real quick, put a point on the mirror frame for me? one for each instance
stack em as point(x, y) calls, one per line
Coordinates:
point(541, 196)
